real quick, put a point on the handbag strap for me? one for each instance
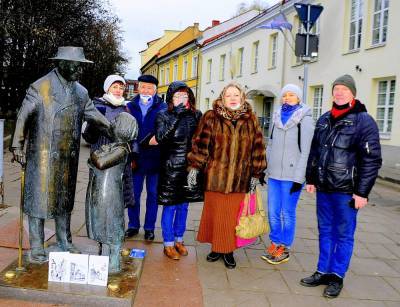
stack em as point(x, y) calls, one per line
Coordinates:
point(260, 207)
point(246, 207)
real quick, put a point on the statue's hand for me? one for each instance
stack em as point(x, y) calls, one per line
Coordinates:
point(192, 177)
point(19, 156)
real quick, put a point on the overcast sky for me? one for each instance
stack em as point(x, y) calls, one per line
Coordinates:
point(143, 21)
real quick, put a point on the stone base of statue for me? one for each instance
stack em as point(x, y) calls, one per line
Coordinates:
point(32, 283)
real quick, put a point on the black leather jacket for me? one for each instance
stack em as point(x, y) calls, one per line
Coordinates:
point(345, 153)
point(174, 134)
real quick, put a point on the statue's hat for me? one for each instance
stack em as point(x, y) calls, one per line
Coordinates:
point(69, 53)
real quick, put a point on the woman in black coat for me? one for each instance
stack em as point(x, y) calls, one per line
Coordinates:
point(174, 130)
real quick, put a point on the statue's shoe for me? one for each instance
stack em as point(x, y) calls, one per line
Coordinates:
point(69, 247)
point(38, 255)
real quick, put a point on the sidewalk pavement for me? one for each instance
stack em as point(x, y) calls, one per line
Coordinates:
point(373, 278)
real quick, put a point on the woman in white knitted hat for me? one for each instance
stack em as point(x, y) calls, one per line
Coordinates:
point(287, 153)
point(110, 105)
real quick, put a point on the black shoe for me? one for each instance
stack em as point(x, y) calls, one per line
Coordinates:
point(229, 261)
point(213, 256)
point(315, 279)
point(130, 232)
point(334, 287)
point(149, 235)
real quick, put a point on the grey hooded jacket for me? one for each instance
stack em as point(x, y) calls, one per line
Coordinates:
point(285, 161)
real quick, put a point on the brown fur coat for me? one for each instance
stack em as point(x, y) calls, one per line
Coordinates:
point(228, 154)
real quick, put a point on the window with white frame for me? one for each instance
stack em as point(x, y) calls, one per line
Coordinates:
point(185, 68)
point(380, 21)
point(167, 75)
point(162, 76)
point(240, 61)
point(317, 101)
point(207, 103)
point(385, 106)
point(195, 61)
point(255, 57)
point(175, 70)
point(356, 20)
point(209, 64)
point(222, 59)
point(273, 53)
point(300, 30)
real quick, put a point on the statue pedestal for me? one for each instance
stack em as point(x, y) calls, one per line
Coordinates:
point(32, 285)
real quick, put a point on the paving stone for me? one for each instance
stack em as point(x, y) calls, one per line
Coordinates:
point(308, 262)
point(361, 250)
point(372, 267)
point(395, 264)
point(345, 302)
point(394, 282)
point(394, 248)
point(306, 233)
point(257, 280)
point(279, 300)
point(254, 256)
point(299, 246)
point(371, 237)
point(370, 288)
point(233, 298)
point(380, 251)
point(213, 277)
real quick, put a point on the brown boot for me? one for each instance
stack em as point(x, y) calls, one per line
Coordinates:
point(182, 250)
point(171, 252)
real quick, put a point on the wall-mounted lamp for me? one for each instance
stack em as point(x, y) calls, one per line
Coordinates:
point(358, 68)
point(301, 78)
point(212, 91)
point(246, 87)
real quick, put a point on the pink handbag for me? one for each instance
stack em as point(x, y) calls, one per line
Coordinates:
point(251, 198)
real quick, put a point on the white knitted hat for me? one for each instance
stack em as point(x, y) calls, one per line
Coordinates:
point(110, 80)
point(292, 88)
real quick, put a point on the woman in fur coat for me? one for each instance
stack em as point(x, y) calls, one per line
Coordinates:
point(228, 147)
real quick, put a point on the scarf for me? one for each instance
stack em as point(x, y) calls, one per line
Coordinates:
point(110, 98)
point(229, 114)
point(338, 111)
point(287, 111)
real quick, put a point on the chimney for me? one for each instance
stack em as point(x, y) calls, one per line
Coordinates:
point(215, 23)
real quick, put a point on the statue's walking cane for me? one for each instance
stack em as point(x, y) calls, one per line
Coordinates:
point(21, 220)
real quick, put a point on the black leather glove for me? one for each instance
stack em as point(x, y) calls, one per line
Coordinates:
point(295, 187)
point(179, 109)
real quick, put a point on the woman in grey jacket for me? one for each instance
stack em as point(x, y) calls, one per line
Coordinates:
point(287, 154)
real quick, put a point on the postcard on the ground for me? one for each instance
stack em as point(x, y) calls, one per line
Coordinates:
point(58, 267)
point(78, 268)
point(137, 253)
point(98, 270)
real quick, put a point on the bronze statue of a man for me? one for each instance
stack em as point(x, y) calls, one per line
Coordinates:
point(50, 121)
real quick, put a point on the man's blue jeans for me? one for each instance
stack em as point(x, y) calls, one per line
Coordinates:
point(336, 225)
point(151, 201)
point(282, 211)
point(173, 223)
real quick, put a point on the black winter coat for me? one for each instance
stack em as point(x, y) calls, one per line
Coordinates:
point(345, 153)
point(174, 134)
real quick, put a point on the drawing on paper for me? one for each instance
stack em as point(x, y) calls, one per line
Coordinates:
point(98, 270)
point(58, 267)
point(78, 268)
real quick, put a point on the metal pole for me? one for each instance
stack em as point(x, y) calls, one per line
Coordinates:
point(21, 221)
point(306, 58)
point(1, 160)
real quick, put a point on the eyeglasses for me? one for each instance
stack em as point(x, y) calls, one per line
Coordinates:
point(178, 96)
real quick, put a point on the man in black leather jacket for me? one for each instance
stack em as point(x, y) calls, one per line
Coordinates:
point(343, 164)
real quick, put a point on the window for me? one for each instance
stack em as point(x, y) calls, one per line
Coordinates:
point(194, 65)
point(300, 30)
point(167, 75)
point(209, 64)
point(175, 70)
point(254, 54)
point(317, 102)
point(162, 76)
point(185, 68)
point(380, 21)
point(355, 24)
point(207, 103)
point(273, 53)
point(385, 105)
point(222, 67)
point(240, 62)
